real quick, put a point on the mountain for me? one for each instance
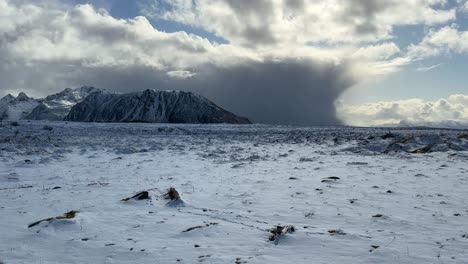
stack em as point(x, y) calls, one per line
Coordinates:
point(57, 106)
point(15, 108)
point(95, 105)
point(151, 106)
point(6, 100)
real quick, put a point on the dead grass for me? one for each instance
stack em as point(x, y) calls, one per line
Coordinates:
point(67, 215)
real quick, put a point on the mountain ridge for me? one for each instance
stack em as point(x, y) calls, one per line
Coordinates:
point(90, 104)
point(56, 107)
point(151, 106)
point(15, 108)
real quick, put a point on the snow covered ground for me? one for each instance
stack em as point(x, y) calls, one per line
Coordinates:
point(354, 195)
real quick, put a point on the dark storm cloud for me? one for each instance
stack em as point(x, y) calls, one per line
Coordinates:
point(17, 75)
point(362, 14)
point(295, 5)
point(287, 92)
point(280, 91)
point(249, 7)
point(248, 11)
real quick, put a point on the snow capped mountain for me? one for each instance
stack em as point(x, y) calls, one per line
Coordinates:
point(15, 108)
point(91, 104)
point(57, 106)
point(153, 107)
point(53, 107)
point(6, 100)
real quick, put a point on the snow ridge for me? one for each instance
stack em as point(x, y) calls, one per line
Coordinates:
point(54, 107)
point(15, 108)
point(57, 106)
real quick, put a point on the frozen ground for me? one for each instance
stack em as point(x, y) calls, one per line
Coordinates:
point(383, 203)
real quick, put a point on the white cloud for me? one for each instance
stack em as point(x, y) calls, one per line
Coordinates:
point(276, 22)
point(46, 45)
point(181, 74)
point(57, 47)
point(438, 42)
point(449, 111)
point(83, 34)
point(428, 68)
point(80, 35)
point(463, 7)
point(346, 31)
point(378, 52)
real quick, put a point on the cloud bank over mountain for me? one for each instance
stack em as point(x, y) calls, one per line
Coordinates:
point(445, 112)
point(283, 62)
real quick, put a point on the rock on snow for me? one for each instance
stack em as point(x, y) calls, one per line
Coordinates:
point(236, 184)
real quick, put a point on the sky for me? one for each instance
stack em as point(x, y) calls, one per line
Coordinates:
point(294, 62)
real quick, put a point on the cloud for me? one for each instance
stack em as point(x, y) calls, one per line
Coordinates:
point(54, 48)
point(60, 43)
point(428, 68)
point(446, 40)
point(445, 112)
point(286, 92)
point(181, 74)
point(295, 92)
point(463, 7)
point(95, 38)
point(285, 61)
point(277, 22)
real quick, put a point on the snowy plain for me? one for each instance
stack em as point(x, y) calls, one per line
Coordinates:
point(354, 195)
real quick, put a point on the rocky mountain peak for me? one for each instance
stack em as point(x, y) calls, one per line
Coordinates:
point(151, 106)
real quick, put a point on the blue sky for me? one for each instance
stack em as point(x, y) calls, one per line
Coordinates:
point(129, 9)
point(448, 78)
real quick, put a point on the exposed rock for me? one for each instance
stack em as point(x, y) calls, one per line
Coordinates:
point(423, 150)
point(6, 100)
point(197, 227)
point(357, 163)
point(174, 197)
point(139, 196)
point(388, 135)
point(336, 232)
point(172, 194)
point(151, 106)
point(57, 106)
point(373, 248)
point(12, 108)
point(279, 231)
point(330, 179)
